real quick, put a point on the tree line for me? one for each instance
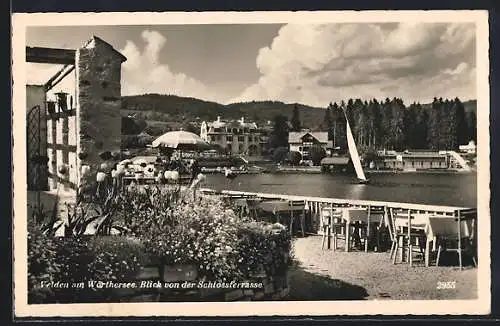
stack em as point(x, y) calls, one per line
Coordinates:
point(389, 124)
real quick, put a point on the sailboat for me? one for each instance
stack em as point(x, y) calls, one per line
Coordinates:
point(353, 151)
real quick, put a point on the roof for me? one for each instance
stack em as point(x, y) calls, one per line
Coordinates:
point(94, 40)
point(232, 124)
point(341, 160)
point(296, 136)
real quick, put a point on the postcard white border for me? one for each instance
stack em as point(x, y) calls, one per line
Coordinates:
point(287, 308)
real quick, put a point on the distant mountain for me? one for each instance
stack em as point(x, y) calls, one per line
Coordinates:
point(169, 108)
point(174, 111)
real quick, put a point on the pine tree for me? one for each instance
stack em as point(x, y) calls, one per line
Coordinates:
point(386, 125)
point(339, 126)
point(328, 123)
point(410, 126)
point(462, 134)
point(295, 120)
point(279, 135)
point(472, 126)
point(422, 122)
point(397, 125)
point(433, 130)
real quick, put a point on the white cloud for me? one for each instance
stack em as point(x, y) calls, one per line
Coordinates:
point(143, 73)
point(318, 64)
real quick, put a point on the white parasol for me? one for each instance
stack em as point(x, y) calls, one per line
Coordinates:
point(181, 140)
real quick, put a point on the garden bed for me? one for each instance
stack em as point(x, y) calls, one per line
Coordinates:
point(172, 247)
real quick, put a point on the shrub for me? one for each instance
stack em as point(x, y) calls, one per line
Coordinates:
point(165, 228)
point(294, 157)
point(199, 232)
point(42, 265)
point(76, 259)
point(279, 154)
point(317, 154)
point(263, 248)
point(206, 233)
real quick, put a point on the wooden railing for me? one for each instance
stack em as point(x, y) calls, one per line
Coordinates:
point(315, 205)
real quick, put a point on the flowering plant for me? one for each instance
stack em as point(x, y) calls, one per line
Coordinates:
point(206, 233)
point(76, 260)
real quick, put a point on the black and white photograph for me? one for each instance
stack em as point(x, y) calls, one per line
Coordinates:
point(329, 160)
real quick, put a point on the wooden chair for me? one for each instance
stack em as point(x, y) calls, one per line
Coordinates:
point(293, 214)
point(252, 205)
point(381, 212)
point(334, 226)
point(326, 224)
point(404, 235)
point(455, 233)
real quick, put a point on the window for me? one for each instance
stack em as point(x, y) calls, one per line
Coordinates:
point(212, 138)
point(218, 138)
point(241, 138)
point(229, 138)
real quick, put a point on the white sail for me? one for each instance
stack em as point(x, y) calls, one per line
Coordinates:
point(354, 153)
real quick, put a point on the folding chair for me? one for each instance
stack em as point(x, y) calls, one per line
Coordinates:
point(373, 211)
point(404, 235)
point(293, 205)
point(455, 233)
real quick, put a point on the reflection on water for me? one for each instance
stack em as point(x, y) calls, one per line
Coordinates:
point(425, 188)
point(356, 191)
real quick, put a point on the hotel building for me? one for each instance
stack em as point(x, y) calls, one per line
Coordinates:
point(236, 136)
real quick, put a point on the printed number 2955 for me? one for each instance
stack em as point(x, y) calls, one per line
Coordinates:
point(446, 285)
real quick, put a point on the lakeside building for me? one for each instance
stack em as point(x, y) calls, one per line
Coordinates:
point(303, 141)
point(236, 136)
point(470, 148)
point(414, 160)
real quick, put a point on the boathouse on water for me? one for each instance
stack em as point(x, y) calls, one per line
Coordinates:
point(414, 160)
point(336, 164)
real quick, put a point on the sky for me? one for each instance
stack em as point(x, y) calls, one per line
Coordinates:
point(309, 64)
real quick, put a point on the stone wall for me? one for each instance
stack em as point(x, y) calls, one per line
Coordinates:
point(274, 287)
point(98, 74)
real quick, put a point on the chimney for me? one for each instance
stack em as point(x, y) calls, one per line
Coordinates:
point(242, 120)
point(218, 118)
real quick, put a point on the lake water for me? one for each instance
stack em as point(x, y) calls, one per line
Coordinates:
point(421, 188)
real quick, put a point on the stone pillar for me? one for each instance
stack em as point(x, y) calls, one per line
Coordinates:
point(98, 74)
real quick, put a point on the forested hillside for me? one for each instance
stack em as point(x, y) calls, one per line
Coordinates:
point(385, 123)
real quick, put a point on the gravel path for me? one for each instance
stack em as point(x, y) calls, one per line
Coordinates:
point(328, 275)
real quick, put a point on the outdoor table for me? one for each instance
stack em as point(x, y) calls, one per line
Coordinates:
point(279, 206)
point(448, 225)
point(420, 221)
point(351, 215)
point(242, 204)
